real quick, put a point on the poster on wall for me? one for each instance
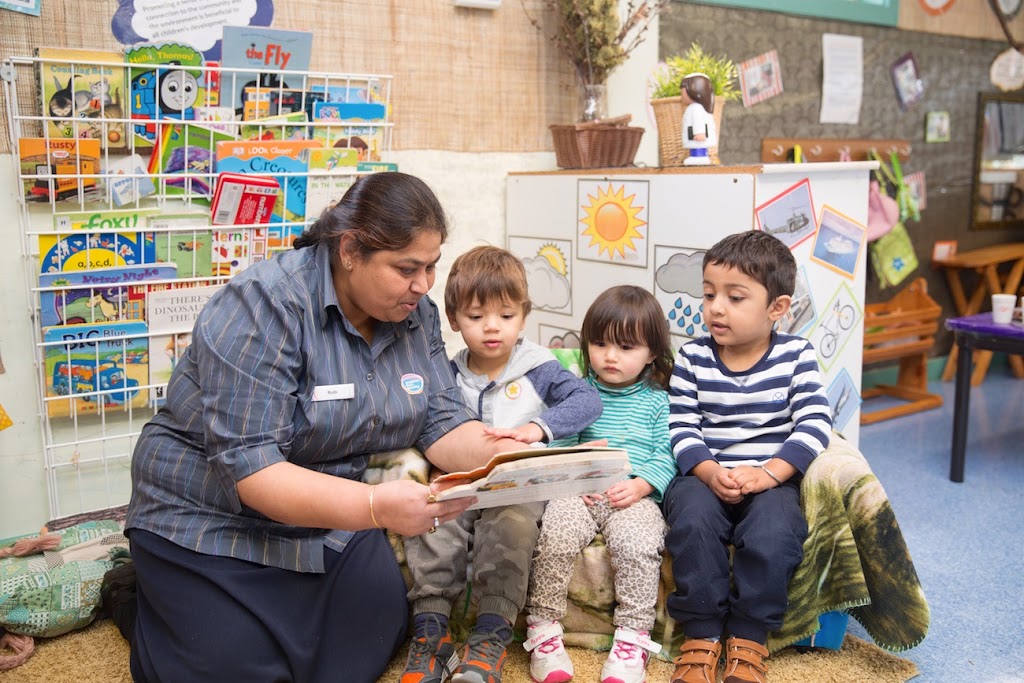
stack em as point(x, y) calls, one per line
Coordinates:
point(789, 216)
point(613, 221)
point(881, 12)
point(548, 271)
point(198, 23)
point(679, 288)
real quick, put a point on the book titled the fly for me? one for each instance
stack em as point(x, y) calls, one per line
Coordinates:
point(243, 199)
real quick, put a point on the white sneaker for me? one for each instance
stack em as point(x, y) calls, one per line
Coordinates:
point(627, 662)
point(549, 662)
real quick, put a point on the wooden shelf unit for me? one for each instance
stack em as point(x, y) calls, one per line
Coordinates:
point(902, 328)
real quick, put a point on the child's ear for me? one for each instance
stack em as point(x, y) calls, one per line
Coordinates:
point(779, 307)
point(453, 324)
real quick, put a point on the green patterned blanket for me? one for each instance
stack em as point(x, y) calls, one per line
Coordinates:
point(855, 560)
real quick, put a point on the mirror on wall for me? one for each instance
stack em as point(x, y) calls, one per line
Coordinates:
point(997, 198)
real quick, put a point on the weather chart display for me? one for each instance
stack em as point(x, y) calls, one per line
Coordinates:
point(580, 234)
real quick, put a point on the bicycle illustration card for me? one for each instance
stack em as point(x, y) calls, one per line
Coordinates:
point(838, 322)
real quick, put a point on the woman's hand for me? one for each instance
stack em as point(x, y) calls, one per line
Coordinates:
point(405, 507)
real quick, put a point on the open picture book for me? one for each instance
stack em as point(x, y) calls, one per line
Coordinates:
point(535, 474)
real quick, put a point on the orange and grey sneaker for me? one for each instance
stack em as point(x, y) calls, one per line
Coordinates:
point(482, 659)
point(431, 659)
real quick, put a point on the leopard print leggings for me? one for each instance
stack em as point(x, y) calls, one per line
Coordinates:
point(635, 537)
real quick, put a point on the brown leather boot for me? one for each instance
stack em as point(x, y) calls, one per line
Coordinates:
point(698, 662)
point(744, 662)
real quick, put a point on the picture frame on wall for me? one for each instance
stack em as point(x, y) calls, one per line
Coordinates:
point(907, 81)
point(936, 127)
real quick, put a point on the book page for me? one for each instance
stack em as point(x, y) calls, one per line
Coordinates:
point(540, 474)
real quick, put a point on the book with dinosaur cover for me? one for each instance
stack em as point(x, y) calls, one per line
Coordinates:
point(536, 474)
point(172, 313)
point(81, 91)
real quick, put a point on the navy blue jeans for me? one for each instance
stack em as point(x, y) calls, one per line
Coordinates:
point(766, 532)
point(208, 618)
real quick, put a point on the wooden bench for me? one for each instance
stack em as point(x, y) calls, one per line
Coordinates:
point(902, 328)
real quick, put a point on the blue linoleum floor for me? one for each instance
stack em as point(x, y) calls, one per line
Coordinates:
point(967, 540)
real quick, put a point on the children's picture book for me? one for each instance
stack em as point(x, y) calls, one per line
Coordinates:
point(331, 172)
point(61, 167)
point(259, 56)
point(243, 199)
point(357, 92)
point(217, 118)
point(96, 296)
point(186, 241)
point(235, 250)
point(163, 86)
point(94, 367)
point(104, 219)
point(281, 127)
point(358, 126)
point(81, 91)
point(376, 167)
point(537, 474)
point(286, 160)
point(172, 314)
point(87, 250)
point(128, 180)
point(262, 103)
point(187, 155)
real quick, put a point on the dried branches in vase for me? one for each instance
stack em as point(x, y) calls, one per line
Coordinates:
point(593, 36)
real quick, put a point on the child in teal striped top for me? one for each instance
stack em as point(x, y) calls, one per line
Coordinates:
point(627, 356)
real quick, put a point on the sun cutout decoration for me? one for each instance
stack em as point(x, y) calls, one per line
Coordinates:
point(555, 258)
point(612, 221)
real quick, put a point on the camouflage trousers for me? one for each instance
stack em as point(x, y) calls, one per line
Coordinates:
point(635, 537)
point(498, 543)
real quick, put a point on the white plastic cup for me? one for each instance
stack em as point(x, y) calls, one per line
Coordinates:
point(1002, 308)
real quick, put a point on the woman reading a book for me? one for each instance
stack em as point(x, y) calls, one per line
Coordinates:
point(257, 548)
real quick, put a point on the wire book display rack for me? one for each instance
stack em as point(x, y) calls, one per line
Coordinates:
point(119, 250)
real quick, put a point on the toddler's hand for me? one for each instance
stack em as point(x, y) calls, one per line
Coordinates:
point(591, 498)
point(725, 487)
point(528, 433)
point(624, 493)
point(751, 479)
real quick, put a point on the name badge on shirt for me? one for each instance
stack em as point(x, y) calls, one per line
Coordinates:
point(334, 392)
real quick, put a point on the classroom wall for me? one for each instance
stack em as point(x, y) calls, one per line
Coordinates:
point(475, 92)
point(954, 70)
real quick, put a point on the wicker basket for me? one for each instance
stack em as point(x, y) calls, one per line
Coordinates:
point(668, 116)
point(589, 145)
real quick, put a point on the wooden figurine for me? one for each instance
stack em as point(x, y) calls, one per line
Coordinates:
point(699, 133)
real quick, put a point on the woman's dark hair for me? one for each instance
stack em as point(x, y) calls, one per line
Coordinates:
point(698, 88)
point(383, 212)
point(628, 314)
point(759, 255)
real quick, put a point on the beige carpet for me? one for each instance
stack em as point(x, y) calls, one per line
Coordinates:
point(99, 654)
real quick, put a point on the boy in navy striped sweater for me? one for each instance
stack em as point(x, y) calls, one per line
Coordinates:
point(748, 413)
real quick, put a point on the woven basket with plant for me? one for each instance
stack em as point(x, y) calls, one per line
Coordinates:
point(595, 39)
point(668, 106)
